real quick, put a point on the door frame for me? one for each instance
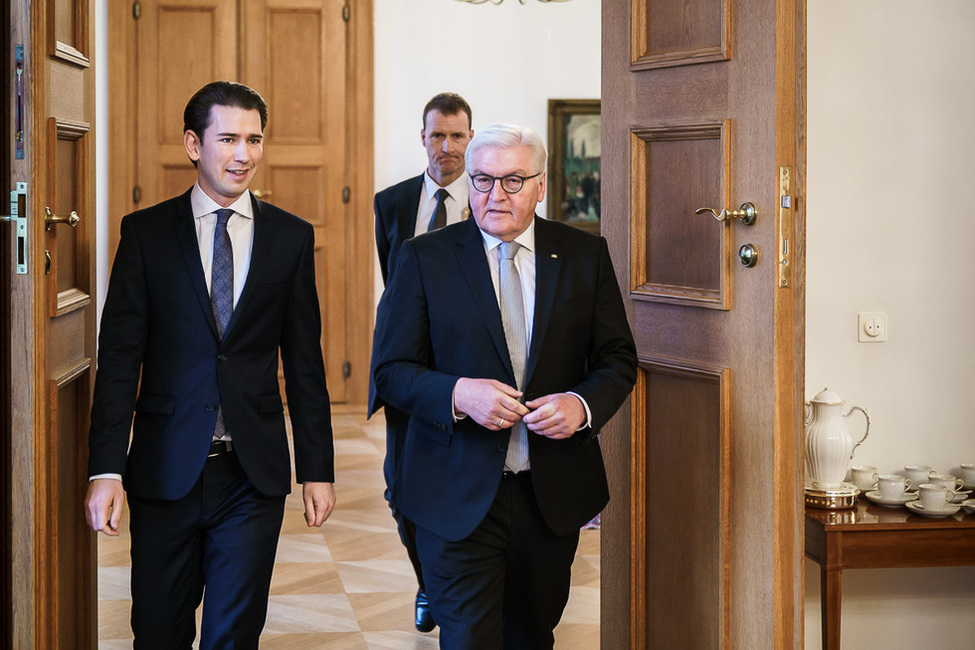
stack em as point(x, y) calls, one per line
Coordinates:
point(359, 169)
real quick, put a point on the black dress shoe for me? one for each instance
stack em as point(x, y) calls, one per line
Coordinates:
point(424, 617)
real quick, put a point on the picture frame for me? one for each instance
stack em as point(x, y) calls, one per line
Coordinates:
point(573, 162)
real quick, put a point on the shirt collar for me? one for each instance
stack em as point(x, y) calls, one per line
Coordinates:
point(454, 189)
point(203, 205)
point(526, 239)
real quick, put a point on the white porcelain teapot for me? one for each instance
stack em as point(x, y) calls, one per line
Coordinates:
point(829, 443)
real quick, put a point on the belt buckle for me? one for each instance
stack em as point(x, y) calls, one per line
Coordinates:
point(218, 447)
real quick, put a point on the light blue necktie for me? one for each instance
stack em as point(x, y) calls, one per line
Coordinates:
point(222, 290)
point(516, 335)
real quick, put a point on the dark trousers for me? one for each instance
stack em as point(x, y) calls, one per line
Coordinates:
point(506, 585)
point(215, 545)
point(396, 423)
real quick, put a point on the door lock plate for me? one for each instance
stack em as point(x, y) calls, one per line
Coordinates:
point(18, 215)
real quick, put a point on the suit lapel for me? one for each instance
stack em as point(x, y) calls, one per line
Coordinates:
point(189, 246)
point(474, 268)
point(407, 208)
point(260, 252)
point(548, 264)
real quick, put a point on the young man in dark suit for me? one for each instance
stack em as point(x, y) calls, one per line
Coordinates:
point(433, 199)
point(506, 341)
point(205, 290)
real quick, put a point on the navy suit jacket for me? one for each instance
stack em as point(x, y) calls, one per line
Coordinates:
point(395, 209)
point(161, 358)
point(439, 321)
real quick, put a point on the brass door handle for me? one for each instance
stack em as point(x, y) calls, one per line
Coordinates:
point(50, 218)
point(262, 194)
point(747, 213)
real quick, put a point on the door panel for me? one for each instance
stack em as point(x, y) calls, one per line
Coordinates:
point(678, 32)
point(294, 52)
point(704, 115)
point(181, 47)
point(684, 477)
point(680, 257)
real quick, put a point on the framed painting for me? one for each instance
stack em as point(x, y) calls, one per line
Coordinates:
point(573, 162)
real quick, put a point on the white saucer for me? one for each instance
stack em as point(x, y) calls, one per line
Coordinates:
point(876, 497)
point(968, 505)
point(947, 511)
point(960, 496)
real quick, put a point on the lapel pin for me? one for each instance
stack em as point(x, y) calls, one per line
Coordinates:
point(465, 213)
point(555, 256)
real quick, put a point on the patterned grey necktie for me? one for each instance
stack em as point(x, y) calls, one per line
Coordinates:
point(222, 290)
point(439, 218)
point(516, 335)
point(222, 272)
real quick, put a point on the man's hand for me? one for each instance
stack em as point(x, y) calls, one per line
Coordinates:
point(319, 501)
point(491, 403)
point(555, 416)
point(103, 505)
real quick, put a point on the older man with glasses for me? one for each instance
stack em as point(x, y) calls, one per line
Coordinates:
point(505, 339)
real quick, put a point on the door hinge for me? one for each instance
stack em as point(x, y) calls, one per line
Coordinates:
point(136, 194)
point(346, 194)
point(137, 10)
point(18, 214)
point(346, 370)
point(346, 13)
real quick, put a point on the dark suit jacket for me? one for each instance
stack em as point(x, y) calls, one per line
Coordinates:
point(395, 209)
point(439, 320)
point(158, 321)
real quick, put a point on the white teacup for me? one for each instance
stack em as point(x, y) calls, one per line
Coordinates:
point(950, 482)
point(892, 486)
point(918, 473)
point(864, 476)
point(967, 471)
point(934, 496)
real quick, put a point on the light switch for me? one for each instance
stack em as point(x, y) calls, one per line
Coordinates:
point(871, 327)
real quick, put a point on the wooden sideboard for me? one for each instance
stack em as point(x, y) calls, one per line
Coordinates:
point(869, 536)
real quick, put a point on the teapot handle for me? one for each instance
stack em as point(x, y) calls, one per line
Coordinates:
point(866, 431)
point(807, 412)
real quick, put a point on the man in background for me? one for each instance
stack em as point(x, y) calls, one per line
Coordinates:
point(206, 289)
point(505, 339)
point(433, 199)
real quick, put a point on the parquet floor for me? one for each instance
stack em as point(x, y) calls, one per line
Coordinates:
point(349, 585)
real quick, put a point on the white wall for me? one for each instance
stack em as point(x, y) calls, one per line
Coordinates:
point(890, 227)
point(506, 60)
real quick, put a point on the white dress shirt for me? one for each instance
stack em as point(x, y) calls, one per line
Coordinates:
point(240, 227)
point(456, 203)
point(525, 263)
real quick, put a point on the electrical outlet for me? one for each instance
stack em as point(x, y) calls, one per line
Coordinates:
point(871, 327)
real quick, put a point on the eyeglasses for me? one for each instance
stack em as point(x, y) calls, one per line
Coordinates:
point(512, 183)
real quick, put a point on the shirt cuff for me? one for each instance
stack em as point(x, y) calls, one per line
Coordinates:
point(117, 477)
point(588, 422)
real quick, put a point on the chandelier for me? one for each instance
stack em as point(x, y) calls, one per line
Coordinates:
point(497, 2)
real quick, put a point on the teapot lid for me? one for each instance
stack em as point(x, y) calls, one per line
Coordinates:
point(826, 396)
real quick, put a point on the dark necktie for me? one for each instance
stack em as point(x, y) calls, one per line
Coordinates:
point(439, 218)
point(222, 273)
point(516, 335)
point(222, 290)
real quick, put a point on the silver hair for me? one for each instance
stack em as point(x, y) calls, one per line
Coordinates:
point(507, 135)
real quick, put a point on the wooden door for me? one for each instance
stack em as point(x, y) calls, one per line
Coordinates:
point(303, 57)
point(294, 51)
point(52, 331)
point(703, 106)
